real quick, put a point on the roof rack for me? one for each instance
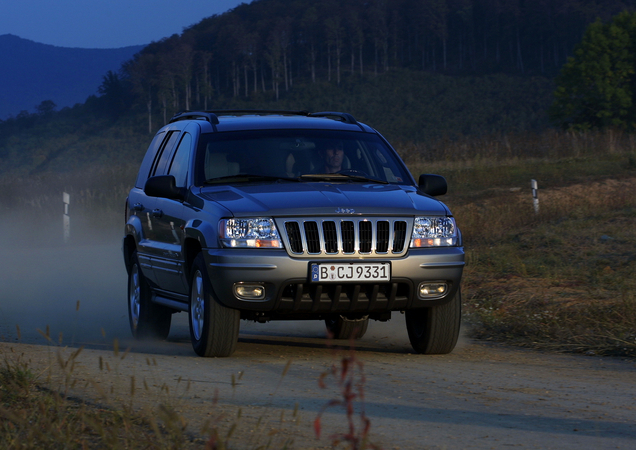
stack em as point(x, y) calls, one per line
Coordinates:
point(213, 116)
point(188, 115)
point(257, 112)
point(343, 117)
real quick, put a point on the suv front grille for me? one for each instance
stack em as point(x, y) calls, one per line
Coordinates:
point(331, 237)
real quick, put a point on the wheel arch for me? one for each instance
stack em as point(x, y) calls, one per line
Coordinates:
point(191, 248)
point(128, 247)
point(199, 234)
point(133, 234)
point(202, 232)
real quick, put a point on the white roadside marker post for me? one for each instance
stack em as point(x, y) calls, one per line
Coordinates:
point(535, 195)
point(66, 198)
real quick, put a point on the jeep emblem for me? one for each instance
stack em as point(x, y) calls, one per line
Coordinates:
point(345, 211)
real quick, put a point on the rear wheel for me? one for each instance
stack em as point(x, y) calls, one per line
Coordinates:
point(435, 330)
point(341, 327)
point(147, 319)
point(214, 328)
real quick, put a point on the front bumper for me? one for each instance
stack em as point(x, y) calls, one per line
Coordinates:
point(289, 291)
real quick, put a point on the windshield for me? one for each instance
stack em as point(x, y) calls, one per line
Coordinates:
point(297, 155)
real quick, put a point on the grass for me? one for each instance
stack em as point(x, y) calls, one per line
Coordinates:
point(36, 411)
point(51, 402)
point(560, 279)
point(50, 410)
point(561, 282)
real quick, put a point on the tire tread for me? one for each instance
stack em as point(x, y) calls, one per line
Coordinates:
point(441, 326)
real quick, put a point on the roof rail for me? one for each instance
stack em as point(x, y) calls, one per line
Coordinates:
point(343, 117)
point(213, 116)
point(185, 115)
point(237, 112)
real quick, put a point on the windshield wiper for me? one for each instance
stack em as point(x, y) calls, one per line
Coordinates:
point(339, 177)
point(248, 177)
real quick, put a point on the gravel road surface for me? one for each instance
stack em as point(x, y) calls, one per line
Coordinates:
point(481, 396)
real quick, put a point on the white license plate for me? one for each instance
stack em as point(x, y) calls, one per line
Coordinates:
point(339, 272)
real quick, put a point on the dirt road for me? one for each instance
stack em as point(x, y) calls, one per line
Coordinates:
point(481, 396)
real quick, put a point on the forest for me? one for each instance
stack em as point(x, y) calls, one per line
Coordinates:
point(417, 70)
point(267, 46)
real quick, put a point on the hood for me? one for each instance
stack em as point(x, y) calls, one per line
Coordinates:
point(320, 198)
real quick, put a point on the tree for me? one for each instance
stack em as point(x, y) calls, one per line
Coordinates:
point(335, 38)
point(114, 93)
point(141, 72)
point(595, 88)
point(46, 108)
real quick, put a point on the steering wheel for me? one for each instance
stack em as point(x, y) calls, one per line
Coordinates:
point(354, 172)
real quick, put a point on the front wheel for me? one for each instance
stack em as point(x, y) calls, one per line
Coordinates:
point(435, 330)
point(147, 319)
point(214, 328)
point(341, 327)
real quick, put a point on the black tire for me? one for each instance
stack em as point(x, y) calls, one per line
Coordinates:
point(214, 328)
point(435, 330)
point(147, 319)
point(342, 328)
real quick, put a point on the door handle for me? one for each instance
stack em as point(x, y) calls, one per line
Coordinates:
point(157, 213)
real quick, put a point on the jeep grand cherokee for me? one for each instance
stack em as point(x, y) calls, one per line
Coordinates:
point(287, 215)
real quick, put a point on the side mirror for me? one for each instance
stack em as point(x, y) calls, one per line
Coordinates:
point(164, 186)
point(433, 184)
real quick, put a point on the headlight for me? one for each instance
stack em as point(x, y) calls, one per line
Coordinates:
point(249, 233)
point(434, 232)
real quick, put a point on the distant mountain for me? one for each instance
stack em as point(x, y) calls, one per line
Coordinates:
point(31, 72)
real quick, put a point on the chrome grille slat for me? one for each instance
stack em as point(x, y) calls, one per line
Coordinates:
point(345, 236)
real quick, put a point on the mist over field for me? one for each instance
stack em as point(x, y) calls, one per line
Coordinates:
point(78, 290)
point(43, 279)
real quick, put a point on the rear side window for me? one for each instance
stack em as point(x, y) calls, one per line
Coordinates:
point(161, 162)
point(150, 157)
point(179, 165)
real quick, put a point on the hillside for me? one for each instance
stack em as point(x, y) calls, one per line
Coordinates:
point(418, 74)
point(32, 72)
point(404, 105)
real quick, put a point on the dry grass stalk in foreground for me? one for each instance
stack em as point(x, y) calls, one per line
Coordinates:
point(67, 409)
point(36, 415)
point(349, 378)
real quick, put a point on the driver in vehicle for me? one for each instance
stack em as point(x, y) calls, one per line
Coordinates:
point(332, 154)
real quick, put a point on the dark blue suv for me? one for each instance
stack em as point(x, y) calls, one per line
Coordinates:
point(287, 215)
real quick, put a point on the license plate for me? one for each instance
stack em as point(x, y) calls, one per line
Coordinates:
point(339, 272)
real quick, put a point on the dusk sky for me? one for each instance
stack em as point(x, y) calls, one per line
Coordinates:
point(104, 23)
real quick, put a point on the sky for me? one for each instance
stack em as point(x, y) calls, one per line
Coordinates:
point(104, 23)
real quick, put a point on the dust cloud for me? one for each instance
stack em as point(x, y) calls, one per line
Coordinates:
point(75, 293)
point(76, 290)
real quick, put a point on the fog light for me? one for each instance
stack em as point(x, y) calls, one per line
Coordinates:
point(432, 290)
point(249, 291)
